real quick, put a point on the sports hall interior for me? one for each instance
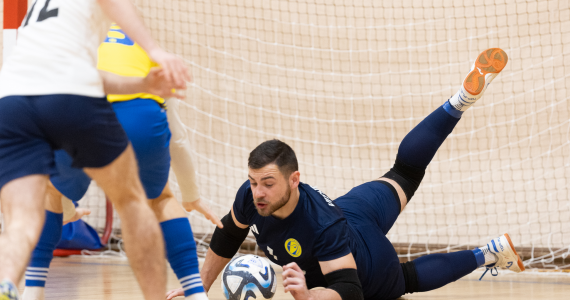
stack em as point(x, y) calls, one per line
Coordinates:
point(342, 82)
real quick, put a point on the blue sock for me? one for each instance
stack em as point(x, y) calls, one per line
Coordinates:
point(37, 271)
point(181, 253)
point(419, 146)
point(452, 110)
point(479, 256)
point(437, 270)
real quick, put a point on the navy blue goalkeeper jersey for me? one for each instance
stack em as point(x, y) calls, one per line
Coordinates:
point(322, 230)
point(315, 231)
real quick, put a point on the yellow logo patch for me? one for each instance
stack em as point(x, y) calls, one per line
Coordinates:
point(293, 247)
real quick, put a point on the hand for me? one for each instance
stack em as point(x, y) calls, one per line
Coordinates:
point(156, 83)
point(79, 212)
point(174, 293)
point(203, 208)
point(294, 282)
point(174, 68)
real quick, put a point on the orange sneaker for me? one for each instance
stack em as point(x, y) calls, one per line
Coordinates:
point(486, 67)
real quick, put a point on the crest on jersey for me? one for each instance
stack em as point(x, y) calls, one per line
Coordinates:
point(293, 247)
point(116, 35)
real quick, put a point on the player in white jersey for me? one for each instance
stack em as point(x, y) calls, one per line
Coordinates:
point(52, 97)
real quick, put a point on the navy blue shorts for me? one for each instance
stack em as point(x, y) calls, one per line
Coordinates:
point(32, 127)
point(146, 126)
point(370, 210)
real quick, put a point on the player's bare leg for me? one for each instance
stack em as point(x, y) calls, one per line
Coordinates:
point(53, 199)
point(180, 245)
point(34, 274)
point(23, 210)
point(166, 207)
point(141, 233)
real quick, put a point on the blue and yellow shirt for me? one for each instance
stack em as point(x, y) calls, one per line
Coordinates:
point(120, 55)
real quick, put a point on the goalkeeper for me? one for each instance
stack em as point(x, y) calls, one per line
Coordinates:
point(341, 245)
point(144, 118)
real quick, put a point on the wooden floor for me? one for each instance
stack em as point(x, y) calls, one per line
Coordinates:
point(111, 278)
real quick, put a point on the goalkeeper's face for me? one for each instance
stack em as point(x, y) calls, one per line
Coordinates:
point(271, 190)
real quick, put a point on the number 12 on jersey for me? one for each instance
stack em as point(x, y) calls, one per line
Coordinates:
point(45, 12)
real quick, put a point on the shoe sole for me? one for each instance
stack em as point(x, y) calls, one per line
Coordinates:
point(519, 261)
point(492, 60)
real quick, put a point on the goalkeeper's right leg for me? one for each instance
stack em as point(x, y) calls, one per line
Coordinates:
point(420, 145)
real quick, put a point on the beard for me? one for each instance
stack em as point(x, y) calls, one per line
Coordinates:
point(271, 208)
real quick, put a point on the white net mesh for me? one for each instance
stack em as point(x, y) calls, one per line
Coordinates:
point(343, 81)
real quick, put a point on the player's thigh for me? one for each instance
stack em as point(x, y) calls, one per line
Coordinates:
point(24, 147)
point(146, 125)
point(120, 180)
point(378, 264)
point(371, 203)
point(69, 181)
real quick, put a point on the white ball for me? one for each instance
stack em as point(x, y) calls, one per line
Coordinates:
point(249, 276)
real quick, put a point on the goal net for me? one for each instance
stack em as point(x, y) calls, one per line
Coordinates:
point(342, 82)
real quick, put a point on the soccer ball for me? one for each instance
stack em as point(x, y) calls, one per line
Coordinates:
point(248, 276)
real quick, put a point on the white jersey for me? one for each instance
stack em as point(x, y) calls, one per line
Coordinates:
point(56, 50)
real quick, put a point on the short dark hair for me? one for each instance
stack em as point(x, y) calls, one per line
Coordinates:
point(274, 151)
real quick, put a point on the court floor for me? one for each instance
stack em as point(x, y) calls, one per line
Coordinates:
point(111, 278)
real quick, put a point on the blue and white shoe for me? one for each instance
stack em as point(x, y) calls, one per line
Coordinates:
point(8, 290)
point(507, 257)
point(486, 67)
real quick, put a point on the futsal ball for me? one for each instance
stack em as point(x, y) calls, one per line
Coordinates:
point(248, 276)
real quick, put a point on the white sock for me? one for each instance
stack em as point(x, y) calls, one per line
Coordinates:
point(197, 296)
point(490, 257)
point(462, 101)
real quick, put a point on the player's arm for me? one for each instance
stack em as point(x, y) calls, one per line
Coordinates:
point(123, 12)
point(180, 153)
point(340, 275)
point(224, 245)
point(154, 83)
